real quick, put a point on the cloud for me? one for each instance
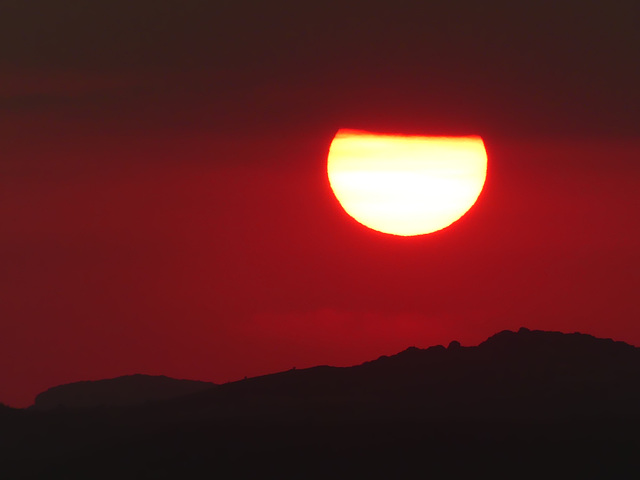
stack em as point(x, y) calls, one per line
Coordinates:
point(18, 85)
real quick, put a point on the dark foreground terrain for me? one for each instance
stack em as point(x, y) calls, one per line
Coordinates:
point(526, 404)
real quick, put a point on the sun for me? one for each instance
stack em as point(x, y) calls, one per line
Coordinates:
point(406, 185)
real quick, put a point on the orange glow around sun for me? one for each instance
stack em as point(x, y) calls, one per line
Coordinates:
point(406, 185)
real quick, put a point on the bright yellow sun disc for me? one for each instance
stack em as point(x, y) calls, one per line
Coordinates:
point(406, 185)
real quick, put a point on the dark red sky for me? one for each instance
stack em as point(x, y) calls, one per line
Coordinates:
point(165, 209)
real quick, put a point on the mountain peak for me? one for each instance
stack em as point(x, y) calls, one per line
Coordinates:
point(536, 339)
point(127, 390)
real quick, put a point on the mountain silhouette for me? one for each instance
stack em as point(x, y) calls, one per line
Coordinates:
point(127, 390)
point(519, 405)
point(522, 374)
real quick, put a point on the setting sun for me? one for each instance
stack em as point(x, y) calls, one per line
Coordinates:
point(406, 185)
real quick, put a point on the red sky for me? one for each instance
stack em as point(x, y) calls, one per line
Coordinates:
point(165, 207)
